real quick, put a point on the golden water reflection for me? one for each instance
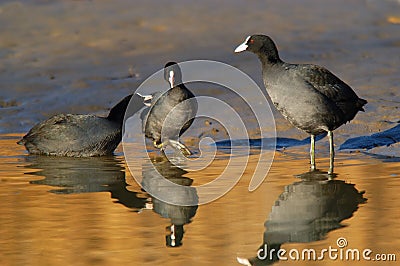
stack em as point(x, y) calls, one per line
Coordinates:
point(306, 211)
point(58, 211)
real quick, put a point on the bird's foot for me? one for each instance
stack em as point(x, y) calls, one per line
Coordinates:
point(179, 146)
point(158, 145)
point(161, 146)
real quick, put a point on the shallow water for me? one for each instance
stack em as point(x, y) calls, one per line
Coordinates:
point(84, 211)
point(84, 56)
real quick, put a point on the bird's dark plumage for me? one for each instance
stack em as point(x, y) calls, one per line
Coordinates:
point(171, 113)
point(309, 96)
point(79, 135)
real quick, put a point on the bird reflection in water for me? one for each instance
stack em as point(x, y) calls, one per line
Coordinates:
point(305, 212)
point(160, 179)
point(106, 174)
point(83, 175)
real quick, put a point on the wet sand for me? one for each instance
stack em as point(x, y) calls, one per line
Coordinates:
point(62, 54)
point(83, 56)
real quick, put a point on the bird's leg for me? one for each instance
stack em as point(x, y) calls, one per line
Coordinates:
point(331, 152)
point(177, 145)
point(312, 153)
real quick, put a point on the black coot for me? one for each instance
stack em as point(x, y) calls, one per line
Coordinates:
point(309, 96)
point(171, 113)
point(76, 135)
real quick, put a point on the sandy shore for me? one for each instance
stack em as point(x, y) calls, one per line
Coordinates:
point(83, 56)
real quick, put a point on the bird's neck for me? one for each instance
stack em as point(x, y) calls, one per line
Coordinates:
point(117, 113)
point(269, 56)
point(269, 60)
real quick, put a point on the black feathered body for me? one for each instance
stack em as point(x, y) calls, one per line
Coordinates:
point(170, 114)
point(76, 135)
point(310, 97)
point(73, 135)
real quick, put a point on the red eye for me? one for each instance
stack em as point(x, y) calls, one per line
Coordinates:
point(251, 41)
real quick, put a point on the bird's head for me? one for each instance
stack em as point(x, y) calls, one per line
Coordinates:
point(172, 74)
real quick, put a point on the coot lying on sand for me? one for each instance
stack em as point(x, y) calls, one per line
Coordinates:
point(171, 113)
point(80, 135)
point(309, 96)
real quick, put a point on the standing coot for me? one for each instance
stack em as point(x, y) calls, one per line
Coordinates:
point(309, 96)
point(171, 113)
point(80, 135)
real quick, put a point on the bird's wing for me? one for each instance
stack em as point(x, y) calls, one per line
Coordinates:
point(70, 132)
point(60, 126)
point(334, 89)
point(328, 84)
